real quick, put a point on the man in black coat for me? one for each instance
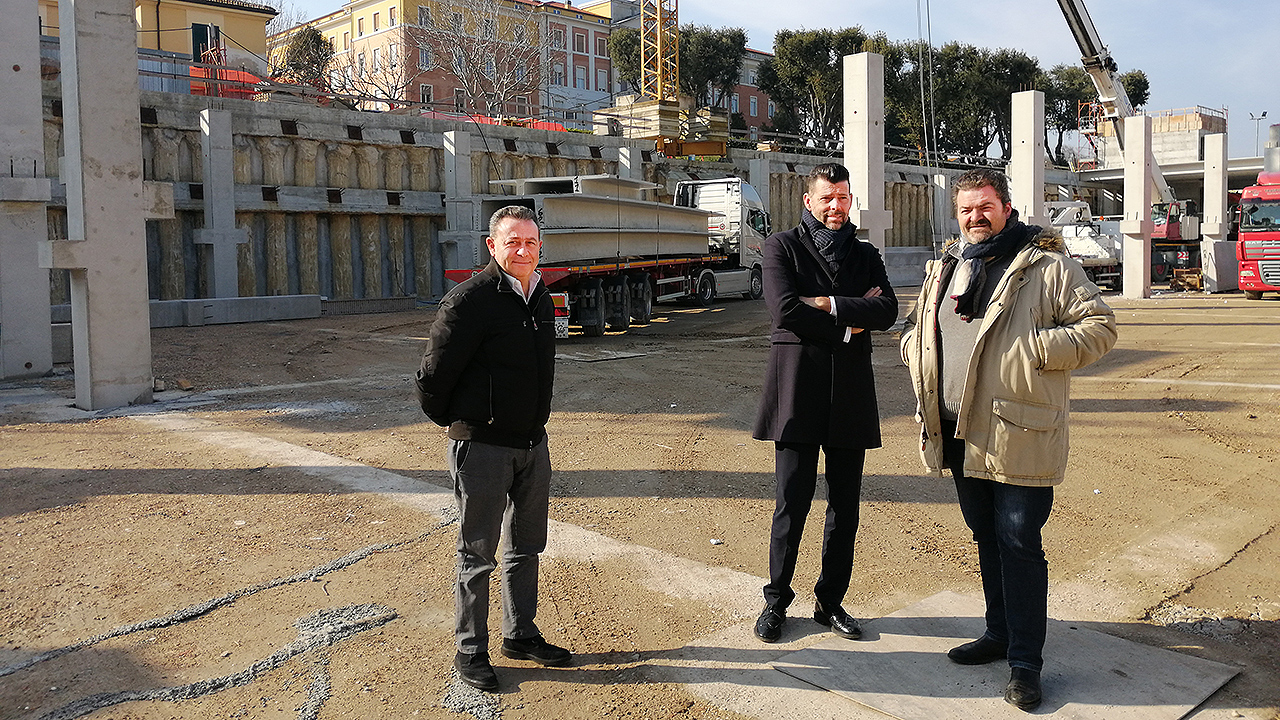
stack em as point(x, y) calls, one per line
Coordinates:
point(487, 376)
point(824, 289)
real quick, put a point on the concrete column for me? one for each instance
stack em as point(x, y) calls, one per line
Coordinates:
point(106, 248)
point(1026, 167)
point(864, 144)
point(395, 255)
point(628, 163)
point(1137, 225)
point(306, 229)
point(340, 254)
point(759, 176)
point(220, 233)
point(26, 343)
point(371, 254)
point(1220, 271)
point(460, 238)
point(943, 213)
point(277, 254)
point(423, 232)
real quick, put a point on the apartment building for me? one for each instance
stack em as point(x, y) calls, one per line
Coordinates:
point(229, 32)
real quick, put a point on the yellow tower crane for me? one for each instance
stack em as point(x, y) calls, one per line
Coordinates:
point(659, 50)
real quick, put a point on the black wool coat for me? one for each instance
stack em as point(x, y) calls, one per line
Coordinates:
point(819, 389)
point(489, 367)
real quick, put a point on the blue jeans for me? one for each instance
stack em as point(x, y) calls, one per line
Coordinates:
point(1006, 521)
point(500, 491)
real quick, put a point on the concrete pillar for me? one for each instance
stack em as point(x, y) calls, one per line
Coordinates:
point(943, 217)
point(340, 256)
point(1220, 271)
point(276, 256)
point(423, 248)
point(759, 176)
point(371, 254)
point(459, 239)
point(628, 163)
point(1137, 225)
point(220, 233)
point(1026, 166)
point(306, 229)
point(864, 144)
point(105, 249)
point(26, 344)
point(395, 256)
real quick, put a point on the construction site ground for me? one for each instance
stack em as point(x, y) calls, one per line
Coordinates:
point(157, 561)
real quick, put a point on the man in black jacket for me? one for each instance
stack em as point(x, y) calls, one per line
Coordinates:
point(487, 376)
point(824, 288)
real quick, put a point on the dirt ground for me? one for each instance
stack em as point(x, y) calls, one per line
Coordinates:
point(157, 562)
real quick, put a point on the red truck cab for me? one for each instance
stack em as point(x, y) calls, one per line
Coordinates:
point(1258, 238)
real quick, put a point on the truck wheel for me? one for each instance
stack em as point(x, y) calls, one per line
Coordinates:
point(1252, 294)
point(706, 292)
point(617, 303)
point(590, 307)
point(1159, 272)
point(641, 298)
point(755, 289)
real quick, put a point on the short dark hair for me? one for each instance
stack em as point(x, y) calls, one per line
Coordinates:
point(833, 173)
point(516, 212)
point(980, 178)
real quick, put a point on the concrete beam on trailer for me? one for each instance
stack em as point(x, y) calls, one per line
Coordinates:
point(220, 231)
point(1137, 224)
point(1218, 265)
point(1026, 166)
point(26, 341)
point(105, 249)
point(864, 144)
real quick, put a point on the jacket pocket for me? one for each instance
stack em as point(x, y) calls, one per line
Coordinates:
point(1028, 440)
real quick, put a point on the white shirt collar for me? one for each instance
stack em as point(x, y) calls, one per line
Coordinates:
point(515, 283)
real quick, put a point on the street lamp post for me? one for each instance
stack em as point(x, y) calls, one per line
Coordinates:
point(1256, 121)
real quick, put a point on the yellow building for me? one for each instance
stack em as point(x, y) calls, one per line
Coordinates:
point(233, 32)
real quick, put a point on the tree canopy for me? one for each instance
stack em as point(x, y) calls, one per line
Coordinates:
point(710, 60)
point(307, 57)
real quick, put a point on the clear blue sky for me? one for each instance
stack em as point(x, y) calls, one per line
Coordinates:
point(1195, 52)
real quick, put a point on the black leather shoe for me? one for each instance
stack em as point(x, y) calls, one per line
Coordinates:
point(979, 652)
point(536, 649)
point(840, 622)
point(769, 626)
point(476, 671)
point(1023, 691)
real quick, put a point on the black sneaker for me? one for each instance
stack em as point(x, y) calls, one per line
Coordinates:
point(476, 671)
point(536, 649)
point(769, 625)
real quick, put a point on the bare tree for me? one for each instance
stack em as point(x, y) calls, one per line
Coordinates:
point(379, 75)
point(497, 50)
point(288, 16)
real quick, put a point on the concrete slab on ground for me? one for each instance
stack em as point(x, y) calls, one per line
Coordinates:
point(901, 670)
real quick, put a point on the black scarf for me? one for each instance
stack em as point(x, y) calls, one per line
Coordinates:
point(971, 270)
point(833, 245)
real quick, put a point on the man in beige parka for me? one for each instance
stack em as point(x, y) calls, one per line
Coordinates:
point(1002, 320)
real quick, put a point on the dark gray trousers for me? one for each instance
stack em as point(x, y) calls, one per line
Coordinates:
point(500, 491)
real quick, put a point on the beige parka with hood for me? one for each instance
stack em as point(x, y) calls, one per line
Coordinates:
point(1045, 319)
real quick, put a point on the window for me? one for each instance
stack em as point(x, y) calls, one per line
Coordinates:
point(360, 63)
point(346, 41)
point(486, 28)
point(602, 46)
point(772, 110)
point(580, 77)
point(733, 103)
point(755, 109)
point(359, 27)
point(391, 17)
point(459, 99)
point(522, 104)
point(557, 38)
point(376, 25)
point(602, 80)
point(424, 16)
point(424, 58)
point(520, 73)
point(426, 93)
point(752, 80)
point(391, 56)
point(557, 74)
point(456, 21)
point(490, 69)
point(519, 34)
point(377, 59)
point(580, 43)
